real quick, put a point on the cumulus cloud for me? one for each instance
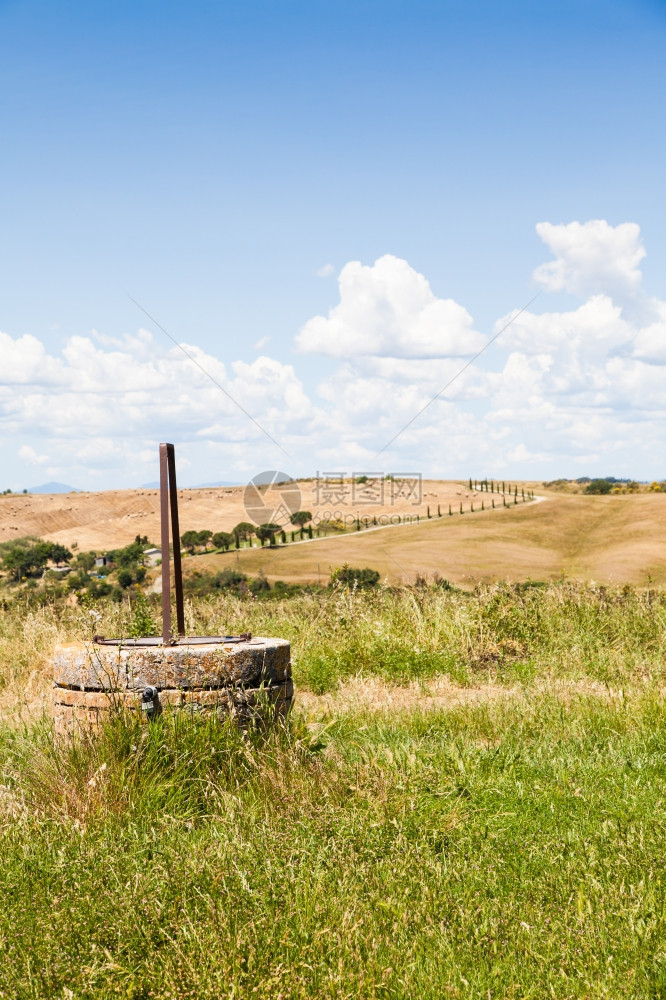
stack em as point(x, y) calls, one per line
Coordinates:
point(28, 455)
point(25, 362)
point(650, 340)
point(522, 454)
point(571, 383)
point(389, 309)
point(581, 385)
point(597, 326)
point(101, 407)
point(591, 257)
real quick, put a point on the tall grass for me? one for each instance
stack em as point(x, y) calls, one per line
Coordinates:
point(501, 632)
point(510, 850)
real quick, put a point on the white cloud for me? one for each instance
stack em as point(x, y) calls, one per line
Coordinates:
point(389, 309)
point(106, 408)
point(583, 385)
point(597, 326)
point(25, 362)
point(591, 257)
point(28, 455)
point(261, 343)
point(521, 454)
point(650, 340)
point(326, 271)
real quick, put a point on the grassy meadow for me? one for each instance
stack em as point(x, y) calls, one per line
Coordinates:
point(468, 801)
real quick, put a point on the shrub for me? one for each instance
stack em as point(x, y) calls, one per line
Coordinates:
point(223, 540)
point(132, 554)
point(259, 585)
point(189, 540)
point(267, 532)
point(301, 518)
point(25, 557)
point(244, 530)
point(230, 579)
point(203, 537)
point(600, 487)
point(348, 576)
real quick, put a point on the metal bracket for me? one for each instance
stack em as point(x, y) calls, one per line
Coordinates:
point(169, 498)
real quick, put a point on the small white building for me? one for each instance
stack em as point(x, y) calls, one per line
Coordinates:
point(151, 557)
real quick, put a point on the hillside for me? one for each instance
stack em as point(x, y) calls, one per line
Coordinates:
point(113, 518)
point(607, 539)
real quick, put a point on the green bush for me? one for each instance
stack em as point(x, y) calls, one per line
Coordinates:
point(348, 576)
point(599, 486)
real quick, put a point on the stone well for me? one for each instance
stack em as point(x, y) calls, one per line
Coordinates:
point(248, 679)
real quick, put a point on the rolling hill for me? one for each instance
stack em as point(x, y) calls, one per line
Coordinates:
point(611, 539)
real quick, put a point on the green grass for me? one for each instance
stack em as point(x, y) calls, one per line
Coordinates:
point(505, 633)
point(513, 850)
point(509, 848)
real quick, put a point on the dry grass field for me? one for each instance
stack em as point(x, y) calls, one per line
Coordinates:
point(467, 800)
point(611, 539)
point(618, 539)
point(113, 518)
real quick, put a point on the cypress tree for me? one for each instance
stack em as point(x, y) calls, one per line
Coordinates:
point(439, 513)
point(482, 505)
point(428, 509)
point(470, 482)
point(493, 501)
point(450, 511)
point(461, 510)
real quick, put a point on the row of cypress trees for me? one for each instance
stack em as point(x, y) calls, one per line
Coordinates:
point(490, 486)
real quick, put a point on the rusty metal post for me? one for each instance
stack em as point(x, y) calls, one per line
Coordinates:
point(175, 534)
point(168, 493)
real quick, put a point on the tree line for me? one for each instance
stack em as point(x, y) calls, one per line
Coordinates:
point(244, 532)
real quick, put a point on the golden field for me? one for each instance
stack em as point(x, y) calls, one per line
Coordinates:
point(611, 539)
point(111, 519)
point(616, 539)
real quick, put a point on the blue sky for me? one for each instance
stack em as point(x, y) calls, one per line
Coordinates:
point(210, 159)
